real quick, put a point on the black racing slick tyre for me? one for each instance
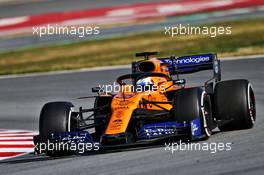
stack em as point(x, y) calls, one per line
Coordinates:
point(191, 103)
point(55, 117)
point(235, 102)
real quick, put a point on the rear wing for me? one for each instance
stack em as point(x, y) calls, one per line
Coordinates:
point(194, 63)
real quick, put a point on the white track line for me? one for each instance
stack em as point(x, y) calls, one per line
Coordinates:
point(241, 57)
point(16, 143)
point(14, 130)
point(15, 138)
point(26, 134)
point(105, 68)
point(16, 150)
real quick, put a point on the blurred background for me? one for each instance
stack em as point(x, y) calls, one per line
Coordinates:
point(125, 27)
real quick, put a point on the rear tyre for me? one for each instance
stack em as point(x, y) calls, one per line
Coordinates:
point(55, 117)
point(235, 101)
point(192, 103)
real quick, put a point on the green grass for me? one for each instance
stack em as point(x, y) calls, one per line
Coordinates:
point(247, 38)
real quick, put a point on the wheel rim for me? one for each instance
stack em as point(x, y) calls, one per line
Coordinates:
point(207, 114)
point(72, 121)
point(251, 104)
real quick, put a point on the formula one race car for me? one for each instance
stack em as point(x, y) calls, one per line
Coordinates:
point(153, 104)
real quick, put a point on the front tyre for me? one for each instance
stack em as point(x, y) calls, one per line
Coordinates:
point(55, 117)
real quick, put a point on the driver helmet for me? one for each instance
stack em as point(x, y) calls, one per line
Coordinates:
point(145, 83)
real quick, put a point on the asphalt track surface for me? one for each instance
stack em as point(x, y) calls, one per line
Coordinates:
point(22, 98)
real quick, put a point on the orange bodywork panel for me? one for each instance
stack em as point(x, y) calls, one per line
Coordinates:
point(124, 103)
point(122, 110)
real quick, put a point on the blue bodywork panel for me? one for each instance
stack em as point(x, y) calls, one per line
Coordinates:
point(193, 129)
point(72, 137)
point(196, 128)
point(190, 64)
point(155, 130)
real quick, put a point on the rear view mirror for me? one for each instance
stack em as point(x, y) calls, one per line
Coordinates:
point(96, 89)
point(179, 81)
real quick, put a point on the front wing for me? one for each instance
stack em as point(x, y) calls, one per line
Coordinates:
point(147, 135)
